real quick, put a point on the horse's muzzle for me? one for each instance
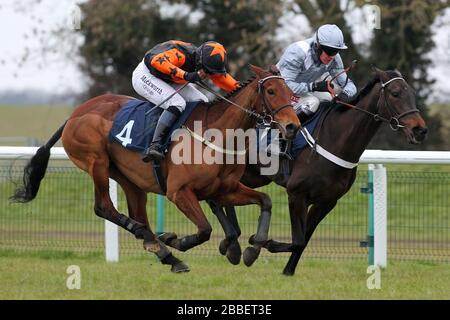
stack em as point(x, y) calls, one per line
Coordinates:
point(291, 131)
point(419, 133)
point(416, 134)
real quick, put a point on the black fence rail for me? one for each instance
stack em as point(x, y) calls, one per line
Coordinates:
point(62, 217)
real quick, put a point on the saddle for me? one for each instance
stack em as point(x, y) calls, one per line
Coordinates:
point(135, 124)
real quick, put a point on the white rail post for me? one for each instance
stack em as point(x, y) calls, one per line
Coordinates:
point(380, 215)
point(111, 229)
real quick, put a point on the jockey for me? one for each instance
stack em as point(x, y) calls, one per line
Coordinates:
point(165, 69)
point(307, 65)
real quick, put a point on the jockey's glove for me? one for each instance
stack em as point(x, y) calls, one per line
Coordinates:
point(192, 77)
point(321, 86)
point(343, 97)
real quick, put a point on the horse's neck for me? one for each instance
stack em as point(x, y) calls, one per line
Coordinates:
point(352, 131)
point(233, 117)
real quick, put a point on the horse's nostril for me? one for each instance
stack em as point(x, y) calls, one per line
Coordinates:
point(424, 131)
point(291, 128)
point(420, 131)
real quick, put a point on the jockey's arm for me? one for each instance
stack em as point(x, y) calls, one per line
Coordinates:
point(291, 65)
point(168, 62)
point(225, 82)
point(350, 89)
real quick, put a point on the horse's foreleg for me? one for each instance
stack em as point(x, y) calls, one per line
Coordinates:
point(274, 246)
point(297, 212)
point(315, 214)
point(230, 245)
point(231, 215)
point(244, 196)
point(186, 200)
point(104, 208)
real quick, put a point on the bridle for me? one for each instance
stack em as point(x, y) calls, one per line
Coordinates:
point(265, 104)
point(394, 121)
point(267, 118)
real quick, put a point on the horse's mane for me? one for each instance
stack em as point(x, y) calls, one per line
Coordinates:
point(368, 87)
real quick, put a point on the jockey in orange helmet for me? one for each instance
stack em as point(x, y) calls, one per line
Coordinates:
point(168, 66)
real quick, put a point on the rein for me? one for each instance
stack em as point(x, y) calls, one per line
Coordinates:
point(394, 121)
point(269, 114)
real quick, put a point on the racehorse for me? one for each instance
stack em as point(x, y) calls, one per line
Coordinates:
point(85, 139)
point(315, 183)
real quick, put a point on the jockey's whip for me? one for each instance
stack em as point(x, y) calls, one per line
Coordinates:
point(169, 97)
point(346, 70)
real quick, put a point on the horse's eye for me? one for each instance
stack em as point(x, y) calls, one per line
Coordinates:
point(395, 94)
point(271, 92)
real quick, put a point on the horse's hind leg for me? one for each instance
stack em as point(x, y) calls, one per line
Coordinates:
point(186, 200)
point(230, 245)
point(104, 208)
point(136, 199)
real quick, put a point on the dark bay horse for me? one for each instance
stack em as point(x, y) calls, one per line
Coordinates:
point(316, 184)
point(85, 139)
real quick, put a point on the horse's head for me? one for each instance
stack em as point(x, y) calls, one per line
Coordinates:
point(274, 100)
point(397, 102)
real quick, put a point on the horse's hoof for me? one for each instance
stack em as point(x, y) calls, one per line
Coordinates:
point(250, 255)
point(179, 267)
point(234, 253)
point(223, 246)
point(167, 237)
point(287, 272)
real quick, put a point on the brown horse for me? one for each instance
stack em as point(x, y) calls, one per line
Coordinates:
point(316, 184)
point(85, 139)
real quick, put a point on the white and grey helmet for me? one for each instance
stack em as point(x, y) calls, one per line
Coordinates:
point(330, 38)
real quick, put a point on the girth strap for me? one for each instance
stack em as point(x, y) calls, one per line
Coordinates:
point(159, 176)
point(324, 153)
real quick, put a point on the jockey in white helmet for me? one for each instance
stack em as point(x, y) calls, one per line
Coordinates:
point(306, 65)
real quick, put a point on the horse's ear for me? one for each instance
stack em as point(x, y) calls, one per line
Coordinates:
point(274, 70)
point(375, 69)
point(257, 70)
point(380, 74)
point(398, 72)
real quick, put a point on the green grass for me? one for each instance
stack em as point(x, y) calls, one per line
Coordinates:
point(25, 276)
point(39, 122)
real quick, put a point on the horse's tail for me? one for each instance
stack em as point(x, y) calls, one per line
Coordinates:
point(35, 170)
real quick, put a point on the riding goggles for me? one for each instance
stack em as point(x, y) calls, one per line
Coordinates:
point(329, 50)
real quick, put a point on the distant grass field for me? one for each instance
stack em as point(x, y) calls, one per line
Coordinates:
point(39, 122)
point(43, 276)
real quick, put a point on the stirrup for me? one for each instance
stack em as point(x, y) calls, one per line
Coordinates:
point(152, 153)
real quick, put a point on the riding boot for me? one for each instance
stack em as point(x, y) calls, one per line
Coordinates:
point(165, 123)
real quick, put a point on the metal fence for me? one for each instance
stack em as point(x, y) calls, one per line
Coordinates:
point(62, 217)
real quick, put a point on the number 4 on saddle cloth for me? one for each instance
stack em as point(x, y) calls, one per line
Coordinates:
point(135, 124)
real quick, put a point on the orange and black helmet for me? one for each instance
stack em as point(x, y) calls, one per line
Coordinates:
point(212, 57)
